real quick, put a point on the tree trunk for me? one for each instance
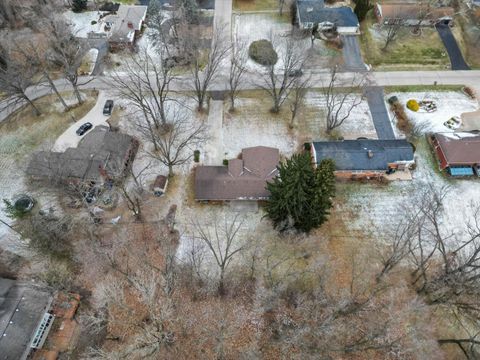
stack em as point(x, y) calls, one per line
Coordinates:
point(170, 170)
point(77, 93)
point(55, 90)
point(30, 102)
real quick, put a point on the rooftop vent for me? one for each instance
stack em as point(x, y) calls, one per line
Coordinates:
point(370, 154)
point(309, 9)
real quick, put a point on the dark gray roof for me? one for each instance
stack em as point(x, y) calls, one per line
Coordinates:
point(310, 11)
point(99, 147)
point(18, 327)
point(354, 154)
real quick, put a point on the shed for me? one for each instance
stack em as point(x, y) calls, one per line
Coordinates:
point(159, 186)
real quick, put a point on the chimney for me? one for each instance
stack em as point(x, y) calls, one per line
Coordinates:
point(370, 154)
point(130, 25)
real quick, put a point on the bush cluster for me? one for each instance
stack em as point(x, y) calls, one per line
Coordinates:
point(262, 52)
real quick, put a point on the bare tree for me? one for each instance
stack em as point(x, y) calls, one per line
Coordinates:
point(147, 86)
point(278, 84)
point(341, 98)
point(15, 78)
point(298, 97)
point(174, 145)
point(67, 52)
point(238, 61)
point(132, 198)
point(392, 28)
point(281, 4)
point(221, 237)
point(206, 64)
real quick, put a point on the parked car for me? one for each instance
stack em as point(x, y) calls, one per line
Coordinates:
point(84, 128)
point(295, 73)
point(108, 107)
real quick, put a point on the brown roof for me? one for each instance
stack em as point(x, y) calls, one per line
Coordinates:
point(242, 179)
point(414, 11)
point(460, 148)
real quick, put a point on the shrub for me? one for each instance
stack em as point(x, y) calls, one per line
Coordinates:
point(403, 123)
point(413, 105)
point(392, 100)
point(225, 162)
point(196, 156)
point(469, 91)
point(262, 52)
point(93, 22)
point(307, 146)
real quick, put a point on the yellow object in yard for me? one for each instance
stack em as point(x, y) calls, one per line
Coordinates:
point(413, 105)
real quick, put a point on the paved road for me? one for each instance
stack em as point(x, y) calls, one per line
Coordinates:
point(95, 116)
point(381, 119)
point(470, 78)
point(351, 54)
point(456, 58)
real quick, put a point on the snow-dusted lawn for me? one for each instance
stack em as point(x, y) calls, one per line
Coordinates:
point(358, 124)
point(251, 27)
point(82, 22)
point(449, 104)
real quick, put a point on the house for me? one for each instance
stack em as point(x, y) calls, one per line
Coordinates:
point(101, 155)
point(412, 14)
point(241, 179)
point(364, 158)
point(458, 153)
point(24, 318)
point(341, 19)
point(125, 25)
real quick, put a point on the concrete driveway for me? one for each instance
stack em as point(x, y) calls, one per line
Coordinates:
point(381, 119)
point(351, 54)
point(95, 116)
point(454, 53)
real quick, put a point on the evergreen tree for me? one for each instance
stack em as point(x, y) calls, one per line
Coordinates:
point(362, 7)
point(300, 196)
point(79, 5)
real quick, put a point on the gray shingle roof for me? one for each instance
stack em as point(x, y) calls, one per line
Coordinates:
point(311, 11)
point(354, 154)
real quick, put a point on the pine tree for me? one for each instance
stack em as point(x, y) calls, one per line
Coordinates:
point(300, 196)
point(362, 8)
point(79, 5)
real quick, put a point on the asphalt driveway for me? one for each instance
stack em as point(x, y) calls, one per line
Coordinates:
point(95, 116)
point(381, 119)
point(456, 58)
point(351, 54)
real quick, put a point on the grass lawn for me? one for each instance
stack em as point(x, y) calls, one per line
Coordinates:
point(467, 33)
point(256, 5)
point(406, 52)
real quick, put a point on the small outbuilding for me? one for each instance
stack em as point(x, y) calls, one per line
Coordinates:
point(159, 186)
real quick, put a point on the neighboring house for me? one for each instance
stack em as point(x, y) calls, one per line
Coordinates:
point(412, 14)
point(364, 158)
point(341, 19)
point(457, 153)
point(242, 179)
point(124, 26)
point(24, 320)
point(101, 155)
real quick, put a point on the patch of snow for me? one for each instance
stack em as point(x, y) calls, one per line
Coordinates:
point(449, 104)
point(82, 22)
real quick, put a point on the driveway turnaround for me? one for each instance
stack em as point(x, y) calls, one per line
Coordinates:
point(95, 116)
point(381, 119)
point(456, 57)
point(351, 54)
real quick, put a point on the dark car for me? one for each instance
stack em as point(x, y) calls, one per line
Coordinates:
point(107, 108)
point(84, 128)
point(295, 73)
